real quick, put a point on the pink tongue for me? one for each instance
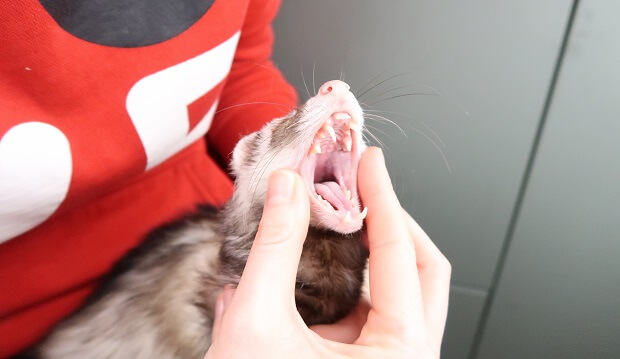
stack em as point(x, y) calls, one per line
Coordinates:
point(332, 192)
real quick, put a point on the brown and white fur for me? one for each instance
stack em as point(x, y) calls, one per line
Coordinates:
point(159, 300)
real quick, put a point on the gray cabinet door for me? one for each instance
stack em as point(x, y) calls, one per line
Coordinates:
point(559, 293)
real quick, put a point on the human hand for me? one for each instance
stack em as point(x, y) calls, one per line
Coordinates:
point(408, 311)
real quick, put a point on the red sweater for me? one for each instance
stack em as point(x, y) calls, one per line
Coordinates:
point(102, 139)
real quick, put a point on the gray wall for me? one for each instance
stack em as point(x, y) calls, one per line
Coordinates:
point(509, 160)
point(560, 286)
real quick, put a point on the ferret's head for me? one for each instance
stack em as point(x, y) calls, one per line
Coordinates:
point(322, 141)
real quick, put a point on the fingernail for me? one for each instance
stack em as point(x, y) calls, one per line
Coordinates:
point(280, 187)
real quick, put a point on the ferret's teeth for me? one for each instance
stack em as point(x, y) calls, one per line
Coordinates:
point(342, 116)
point(354, 126)
point(325, 202)
point(319, 197)
point(315, 149)
point(348, 193)
point(343, 188)
point(347, 217)
point(331, 131)
point(347, 143)
point(364, 213)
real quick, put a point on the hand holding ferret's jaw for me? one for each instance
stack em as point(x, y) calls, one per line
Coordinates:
point(408, 289)
point(268, 280)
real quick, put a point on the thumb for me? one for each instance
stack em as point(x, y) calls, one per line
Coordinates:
point(269, 276)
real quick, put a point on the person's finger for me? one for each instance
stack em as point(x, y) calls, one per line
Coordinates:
point(268, 279)
point(222, 302)
point(434, 271)
point(394, 284)
point(348, 329)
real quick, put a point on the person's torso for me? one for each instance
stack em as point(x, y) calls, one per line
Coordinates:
point(93, 94)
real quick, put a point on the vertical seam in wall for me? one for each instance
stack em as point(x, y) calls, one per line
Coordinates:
point(499, 268)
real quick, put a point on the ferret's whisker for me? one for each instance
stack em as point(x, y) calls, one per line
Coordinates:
point(433, 132)
point(369, 81)
point(379, 118)
point(403, 95)
point(275, 72)
point(381, 82)
point(254, 103)
point(432, 89)
point(257, 163)
point(436, 146)
point(365, 138)
point(344, 55)
point(260, 177)
point(408, 125)
point(375, 138)
point(388, 91)
point(303, 78)
point(256, 167)
point(388, 152)
point(379, 130)
point(313, 81)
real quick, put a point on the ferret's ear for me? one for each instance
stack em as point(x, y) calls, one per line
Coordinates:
point(243, 152)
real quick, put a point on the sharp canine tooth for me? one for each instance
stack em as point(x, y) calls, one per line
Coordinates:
point(364, 213)
point(347, 217)
point(347, 143)
point(316, 148)
point(348, 193)
point(331, 131)
point(342, 116)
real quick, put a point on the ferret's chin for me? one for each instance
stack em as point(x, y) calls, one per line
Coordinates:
point(328, 219)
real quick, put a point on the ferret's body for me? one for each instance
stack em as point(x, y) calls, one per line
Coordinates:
point(159, 300)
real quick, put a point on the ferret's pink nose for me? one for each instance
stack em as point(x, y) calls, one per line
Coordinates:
point(335, 86)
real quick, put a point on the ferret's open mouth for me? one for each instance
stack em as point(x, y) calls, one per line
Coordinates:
point(330, 171)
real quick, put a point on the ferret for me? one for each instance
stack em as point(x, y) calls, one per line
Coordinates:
point(159, 299)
